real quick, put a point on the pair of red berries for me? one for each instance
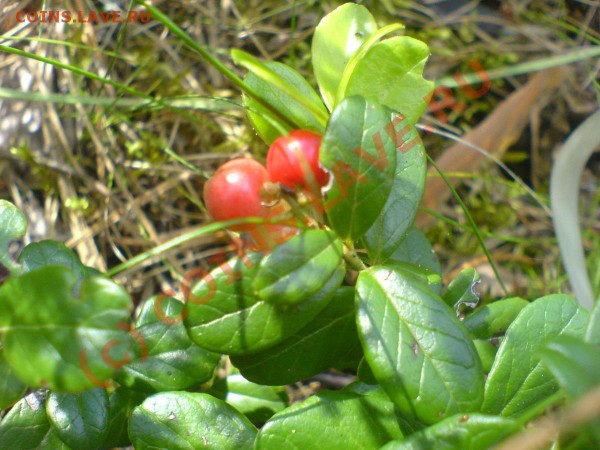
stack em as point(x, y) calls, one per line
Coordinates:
point(237, 189)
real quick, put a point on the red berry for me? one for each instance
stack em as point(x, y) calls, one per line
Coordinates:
point(293, 161)
point(235, 192)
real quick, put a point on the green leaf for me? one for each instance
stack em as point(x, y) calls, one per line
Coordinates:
point(459, 432)
point(52, 338)
point(226, 316)
point(51, 253)
point(184, 420)
point(361, 155)
point(575, 364)
point(486, 349)
point(518, 379)
point(416, 347)
point(80, 420)
point(494, 318)
point(258, 403)
point(298, 268)
point(121, 404)
point(337, 37)
point(13, 225)
point(592, 333)
point(416, 249)
point(461, 290)
point(302, 116)
point(393, 224)
point(170, 361)
point(318, 346)
point(391, 74)
point(26, 426)
point(11, 387)
point(357, 417)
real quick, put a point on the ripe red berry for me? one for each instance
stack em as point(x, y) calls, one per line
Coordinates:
point(235, 192)
point(293, 161)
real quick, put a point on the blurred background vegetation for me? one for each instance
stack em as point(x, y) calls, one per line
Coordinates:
point(112, 173)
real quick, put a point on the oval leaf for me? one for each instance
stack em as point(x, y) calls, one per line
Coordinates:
point(493, 319)
point(51, 253)
point(518, 379)
point(327, 339)
point(296, 113)
point(54, 339)
point(391, 74)
point(80, 420)
point(416, 347)
point(361, 416)
point(225, 315)
point(460, 432)
point(298, 268)
point(359, 152)
point(461, 290)
point(26, 426)
point(391, 227)
point(337, 37)
point(184, 420)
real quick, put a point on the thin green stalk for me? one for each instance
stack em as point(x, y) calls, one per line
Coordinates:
point(179, 240)
point(472, 223)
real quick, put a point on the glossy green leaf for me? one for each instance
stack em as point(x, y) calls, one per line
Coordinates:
point(518, 379)
point(13, 225)
point(170, 361)
point(575, 364)
point(592, 333)
point(391, 227)
point(361, 156)
point(461, 290)
point(11, 387)
point(298, 268)
point(121, 404)
point(416, 249)
point(185, 420)
point(391, 74)
point(54, 339)
point(337, 37)
point(494, 318)
point(486, 349)
point(26, 426)
point(459, 432)
point(296, 113)
point(328, 338)
point(258, 403)
point(357, 417)
point(225, 315)
point(80, 420)
point(416, 347)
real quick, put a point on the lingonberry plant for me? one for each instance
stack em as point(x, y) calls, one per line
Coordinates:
point(354, 287)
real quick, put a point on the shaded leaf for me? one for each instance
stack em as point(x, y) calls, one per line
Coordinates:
point(170, 360)
point(13, 225)
point(11, 387)
point(416, 249)
point(80, 420)
point(461, 290)
point(494, 318)
point(258, 403)
point(121, 404)
point(318, 346)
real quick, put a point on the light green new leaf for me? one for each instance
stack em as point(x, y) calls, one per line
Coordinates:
point(416, 347)
point(357, 417)
point(188, 421)
point(337, 37)
point(391, 74)
point(518, 379)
